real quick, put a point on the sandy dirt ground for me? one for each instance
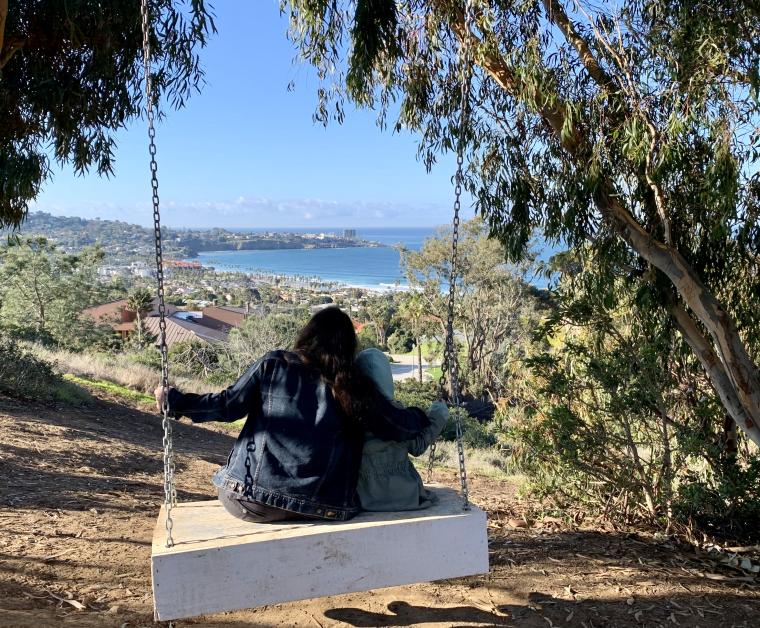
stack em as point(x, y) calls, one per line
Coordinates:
point(80, 490)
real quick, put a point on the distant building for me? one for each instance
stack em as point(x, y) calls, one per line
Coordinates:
point(212, 324)
point(183, 330)
point(349, 234)
point(116, 312)
point(141, 269)
point(108, 272)
point(224, 317)
point(182, 265)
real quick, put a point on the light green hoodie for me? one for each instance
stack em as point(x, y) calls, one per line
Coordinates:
point(387, 478)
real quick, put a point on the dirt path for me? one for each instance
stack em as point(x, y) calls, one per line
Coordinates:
point(80, 489)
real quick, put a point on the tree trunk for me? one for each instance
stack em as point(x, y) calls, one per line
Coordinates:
point(419, 357)
point(40, 307)
point(8, 46)
point(3, 17)
point(41, 322)
point(730, 446)
point(712, 365)
point(638, 468)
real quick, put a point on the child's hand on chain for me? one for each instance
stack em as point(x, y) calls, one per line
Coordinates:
point(161, 397)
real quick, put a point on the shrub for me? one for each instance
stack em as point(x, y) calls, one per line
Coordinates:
point(474, 433)
point(23, 375)
point(148, 356)
point(199, 359)
point(401, 341)
point(722, 500)
point(367, 339)
point(411, 392)
point(257, 336)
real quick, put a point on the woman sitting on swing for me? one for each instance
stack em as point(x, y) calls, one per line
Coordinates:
point(299, 451)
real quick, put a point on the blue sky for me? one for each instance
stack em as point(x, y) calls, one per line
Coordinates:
point(245, 152)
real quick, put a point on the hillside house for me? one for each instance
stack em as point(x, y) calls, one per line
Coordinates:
point(211, 325)
point(224, 317)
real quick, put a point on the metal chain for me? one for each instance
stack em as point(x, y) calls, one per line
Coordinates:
point(170, 492)
point(248, 490)
point(450, 362)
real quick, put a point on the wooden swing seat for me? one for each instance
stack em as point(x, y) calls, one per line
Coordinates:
point(220, 563)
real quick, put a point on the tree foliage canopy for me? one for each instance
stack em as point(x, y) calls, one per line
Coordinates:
point(71, 75)
point(44, 290)
point(630, 126)
point(495, 310)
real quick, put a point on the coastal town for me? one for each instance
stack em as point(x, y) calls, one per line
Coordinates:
point(193, 290)
point(204, 304)
point(129, 247)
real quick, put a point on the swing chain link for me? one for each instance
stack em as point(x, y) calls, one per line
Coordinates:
point(248, 482)
point(450, 363)
point(170, 492)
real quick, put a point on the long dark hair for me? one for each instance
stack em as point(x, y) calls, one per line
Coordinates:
point(328, 343)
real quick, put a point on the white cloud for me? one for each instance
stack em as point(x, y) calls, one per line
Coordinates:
point(261, 212)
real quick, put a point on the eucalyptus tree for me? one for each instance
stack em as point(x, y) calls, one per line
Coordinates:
point(618, 416)
point(495, 311)
point(380, 310)
point(632, 126)
point(70, 76)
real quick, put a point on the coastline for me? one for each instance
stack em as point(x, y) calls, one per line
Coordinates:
point(375, 269)
point(313, 282)
point(307, 247)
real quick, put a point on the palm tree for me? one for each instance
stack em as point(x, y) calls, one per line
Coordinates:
point(139, 302)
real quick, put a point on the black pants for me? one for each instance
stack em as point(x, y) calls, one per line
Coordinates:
point(251, 511)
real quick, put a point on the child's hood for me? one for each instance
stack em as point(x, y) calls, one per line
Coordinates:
point(374, 364)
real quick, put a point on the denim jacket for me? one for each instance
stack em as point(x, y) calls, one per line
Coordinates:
point(296, 450)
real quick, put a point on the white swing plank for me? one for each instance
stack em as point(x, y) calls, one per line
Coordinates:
point(219, 563)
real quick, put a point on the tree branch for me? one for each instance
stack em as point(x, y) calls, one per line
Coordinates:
point(555, 12)
point(719, 379)
point(3, 18)
point(498, 69)
point(8, 46)
point(659, 195)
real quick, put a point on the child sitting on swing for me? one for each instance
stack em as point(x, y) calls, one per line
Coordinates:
point(387, 479)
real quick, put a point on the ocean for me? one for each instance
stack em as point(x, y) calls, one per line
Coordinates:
point(366, 267)
point(374, 268)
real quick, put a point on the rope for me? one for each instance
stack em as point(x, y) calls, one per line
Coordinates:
point(170, 492)
point(450, 363)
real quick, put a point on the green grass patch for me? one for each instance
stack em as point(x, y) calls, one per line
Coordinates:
point(111, 388)
point(234, 426)
point(71, 394)
point(483, 461)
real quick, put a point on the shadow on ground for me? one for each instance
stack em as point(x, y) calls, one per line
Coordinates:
point(121, 455)
point(719, 611)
